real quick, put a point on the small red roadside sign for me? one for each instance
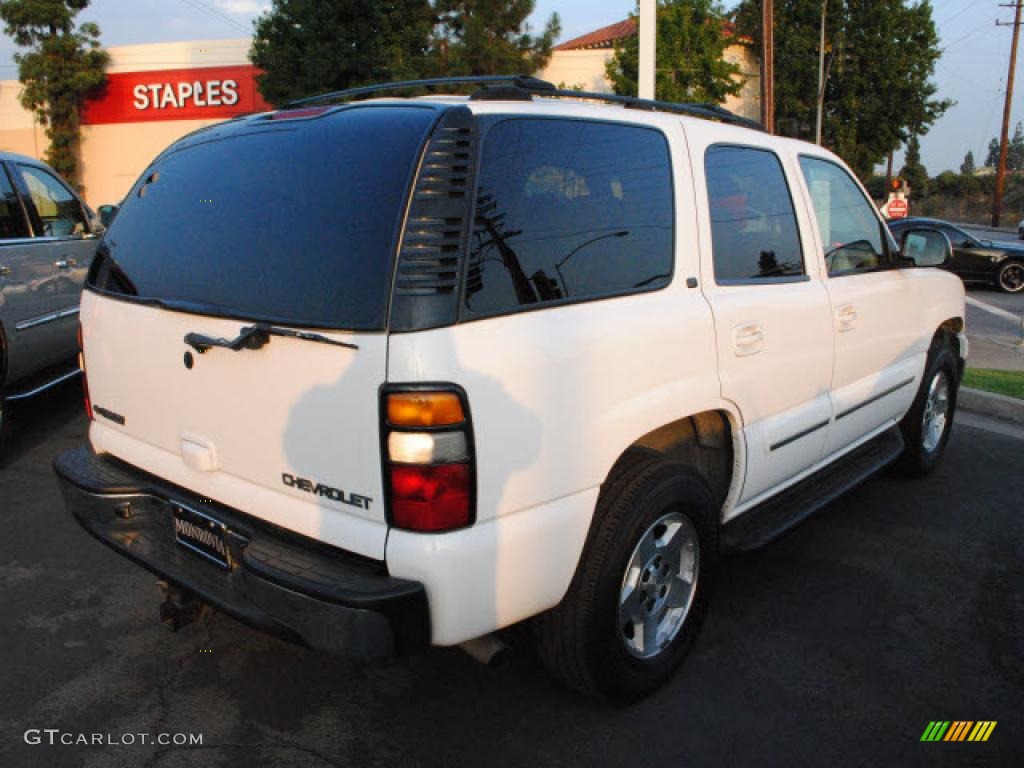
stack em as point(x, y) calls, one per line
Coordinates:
point(897, 208)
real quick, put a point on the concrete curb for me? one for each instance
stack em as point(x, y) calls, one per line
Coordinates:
point(988, 404)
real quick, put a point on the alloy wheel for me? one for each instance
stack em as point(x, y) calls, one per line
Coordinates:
point(936, 412)
point(659, 585)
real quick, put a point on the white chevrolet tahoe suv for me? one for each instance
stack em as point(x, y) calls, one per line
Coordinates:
point(380, 374)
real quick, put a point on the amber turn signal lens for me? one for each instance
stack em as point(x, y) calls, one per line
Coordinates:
point(424, 409)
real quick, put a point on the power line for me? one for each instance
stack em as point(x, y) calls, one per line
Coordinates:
point(963, 10)
point(213, 13)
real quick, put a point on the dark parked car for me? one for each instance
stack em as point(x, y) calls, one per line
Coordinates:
point(974, 260)
point(47, 240)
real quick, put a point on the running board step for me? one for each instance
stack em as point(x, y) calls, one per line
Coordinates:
point(772, 518)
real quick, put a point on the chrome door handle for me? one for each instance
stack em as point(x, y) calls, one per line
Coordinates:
point(5, 271)
point(65, 263)
point(846, 317)
point(747, 339)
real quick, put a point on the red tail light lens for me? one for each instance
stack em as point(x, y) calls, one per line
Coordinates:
point(430, 498)
point(85, 379)
point(429, 462)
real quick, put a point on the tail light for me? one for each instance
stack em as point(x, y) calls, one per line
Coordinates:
point(85, 379)
point(429, 466)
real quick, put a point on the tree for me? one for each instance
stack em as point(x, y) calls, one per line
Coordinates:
point(307, 47)
point(967, 167)
point(879, 91)
point(489, 37)
point(689, 49)
point(63, 67)
point(992, 158)
point(1015, 150)
point(913, 171)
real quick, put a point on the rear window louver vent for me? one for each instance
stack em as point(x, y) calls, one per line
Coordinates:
point(431, 256)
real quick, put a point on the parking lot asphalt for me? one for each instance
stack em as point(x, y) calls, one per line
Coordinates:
point(995, 329)
point(900, 604)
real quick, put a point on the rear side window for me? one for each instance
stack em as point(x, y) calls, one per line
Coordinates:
point(59, 211)
point(290, 221)
point(851, 233)
point(569, 210)
point(754, 234)
point(12, 220)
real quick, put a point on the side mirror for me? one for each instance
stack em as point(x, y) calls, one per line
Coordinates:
point(926, 247)
point(107, 214)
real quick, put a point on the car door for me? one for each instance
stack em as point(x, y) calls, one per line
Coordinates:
point(771, 310)
point(25, 283)
point(875, 310)
point(972, 259)
point(66, 244)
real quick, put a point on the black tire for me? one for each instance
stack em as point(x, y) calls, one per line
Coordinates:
point(919, 457)
point(580, 641)
point(1010, 277)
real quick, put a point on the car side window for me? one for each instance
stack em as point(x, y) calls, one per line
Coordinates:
point(12, 217)
point(59, 211)
point(957, 237)
point(754, 232)
point(569, 210)
point(851, 233)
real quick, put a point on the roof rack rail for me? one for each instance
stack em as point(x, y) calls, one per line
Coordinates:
point(523, 82)
point(536, 87)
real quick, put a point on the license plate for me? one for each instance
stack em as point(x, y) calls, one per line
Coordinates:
point(202, 534)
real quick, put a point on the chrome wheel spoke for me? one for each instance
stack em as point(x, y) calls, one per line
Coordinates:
point(650, 636)
point(679, 593)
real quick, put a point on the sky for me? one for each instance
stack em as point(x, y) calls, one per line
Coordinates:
point(972, 70)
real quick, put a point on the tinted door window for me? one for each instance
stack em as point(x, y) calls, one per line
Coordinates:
point(12, 219)
point(59, 211)
point(850, 230)
point(567, 211)
point(754, 233)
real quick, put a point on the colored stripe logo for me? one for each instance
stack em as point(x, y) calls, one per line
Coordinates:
point(958, 730)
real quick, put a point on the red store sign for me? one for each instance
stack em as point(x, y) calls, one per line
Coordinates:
point(207, 93)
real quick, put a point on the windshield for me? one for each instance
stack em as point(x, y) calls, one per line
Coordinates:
point(289, 221)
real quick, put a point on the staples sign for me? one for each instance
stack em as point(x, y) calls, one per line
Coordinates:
point(179, 94)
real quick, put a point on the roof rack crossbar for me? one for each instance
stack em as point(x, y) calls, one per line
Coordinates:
point(538, 87)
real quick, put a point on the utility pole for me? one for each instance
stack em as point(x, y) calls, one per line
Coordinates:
point(997, 201)
point(821, 73)
point(648, 42)
point(768, 65)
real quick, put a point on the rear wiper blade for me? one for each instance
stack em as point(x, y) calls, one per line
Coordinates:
point(256, 337)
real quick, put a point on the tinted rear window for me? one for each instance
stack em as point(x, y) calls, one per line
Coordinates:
point(290, 221)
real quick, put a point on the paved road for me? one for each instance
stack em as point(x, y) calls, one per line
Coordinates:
point(897, 605)
point(995, 328)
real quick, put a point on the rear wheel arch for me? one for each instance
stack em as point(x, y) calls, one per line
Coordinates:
point(708, 442)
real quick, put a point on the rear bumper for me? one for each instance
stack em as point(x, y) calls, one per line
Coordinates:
point(281, 583)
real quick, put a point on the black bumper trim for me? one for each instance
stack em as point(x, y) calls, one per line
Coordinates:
point(284, 584)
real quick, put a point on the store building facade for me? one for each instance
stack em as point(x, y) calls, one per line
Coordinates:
point(154, 95)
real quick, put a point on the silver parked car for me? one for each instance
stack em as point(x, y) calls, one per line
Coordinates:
point(47, 240)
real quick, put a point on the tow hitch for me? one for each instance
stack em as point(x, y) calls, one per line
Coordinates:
point(179, 607)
